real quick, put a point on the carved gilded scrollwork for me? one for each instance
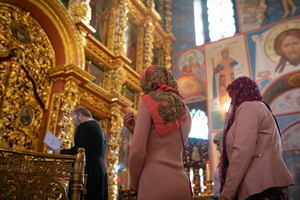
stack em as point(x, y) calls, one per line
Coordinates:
point(29, 175)
point(21, 113)
point(94, 101)
point(148, 43)
point(113, 150)
point(121, 28)
point(80, 11)
point(19, 30)
point(117, 79)
point(70, 99)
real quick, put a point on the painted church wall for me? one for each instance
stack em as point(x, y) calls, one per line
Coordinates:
point(252, 52)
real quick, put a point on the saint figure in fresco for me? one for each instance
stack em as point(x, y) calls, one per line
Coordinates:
point(285, 7)
point(287, 46)
point(223, 75)
point(190, 66)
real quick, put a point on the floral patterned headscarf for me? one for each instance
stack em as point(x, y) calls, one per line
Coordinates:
point(163, 99)
point(240, 90)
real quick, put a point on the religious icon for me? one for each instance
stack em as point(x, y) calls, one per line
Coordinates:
point(26, 116)
point(20, 33)
point(277, 52)
point(223, 76)
point(100, 19)
point(131, 43)
point(191, 64)
point(195, 154)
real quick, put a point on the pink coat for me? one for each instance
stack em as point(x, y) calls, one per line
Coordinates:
point(254, 150)
point(155, 162)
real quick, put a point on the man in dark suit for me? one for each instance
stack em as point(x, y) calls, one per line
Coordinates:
point(91, 137)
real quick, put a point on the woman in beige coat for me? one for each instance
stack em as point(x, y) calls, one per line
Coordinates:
point(251, 162)
point(155, 162)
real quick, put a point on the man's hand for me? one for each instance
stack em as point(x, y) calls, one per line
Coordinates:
point(129, 121)
point(57, 151)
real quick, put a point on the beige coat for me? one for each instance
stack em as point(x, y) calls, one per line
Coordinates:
point(254, 150)
point(155, 162)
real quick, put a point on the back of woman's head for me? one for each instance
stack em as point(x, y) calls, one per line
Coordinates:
point(154, 77)
point(243, 89)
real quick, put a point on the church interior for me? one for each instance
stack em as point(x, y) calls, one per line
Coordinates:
point(58, 54)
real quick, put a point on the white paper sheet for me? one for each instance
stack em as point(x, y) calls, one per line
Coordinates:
point(52, 141)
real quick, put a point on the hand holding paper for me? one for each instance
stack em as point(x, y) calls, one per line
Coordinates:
point(52, 141)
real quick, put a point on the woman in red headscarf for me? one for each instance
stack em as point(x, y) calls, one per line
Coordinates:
point(251, 161)
point(155, 162)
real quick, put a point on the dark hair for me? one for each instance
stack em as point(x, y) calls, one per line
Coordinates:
point(83, 110)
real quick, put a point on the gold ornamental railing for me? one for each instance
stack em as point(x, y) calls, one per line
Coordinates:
point(31, 175)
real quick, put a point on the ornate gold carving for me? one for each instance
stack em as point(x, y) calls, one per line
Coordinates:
point(113, 150)
point(80, 12)
point(121, 27)
point(28, 175)
point(94, 101)
point(70, 99)
point(102, 55)
point(134, 80)
point(168, 16)
point(19, 30)
point(117, 78)
point(140, 50)
point(168, 51)
point(148, 43)
point(112, 25)
point(21, 113)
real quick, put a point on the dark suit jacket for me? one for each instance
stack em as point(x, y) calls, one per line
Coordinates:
point(91, 137)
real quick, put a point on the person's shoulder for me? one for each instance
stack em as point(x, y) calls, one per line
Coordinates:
point(255, 106)
point(89, 123)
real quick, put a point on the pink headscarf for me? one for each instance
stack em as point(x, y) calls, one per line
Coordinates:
point(240, 90)
point(162, 99)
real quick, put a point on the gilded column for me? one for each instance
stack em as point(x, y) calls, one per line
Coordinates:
point(168, 16)
point(113, 150)
point(121, 28)
point(148, 42)
point(111, 28)
point(168, 51)
point(140, 50)
point(117, 78)
point(70, 99)
point(161, 12)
